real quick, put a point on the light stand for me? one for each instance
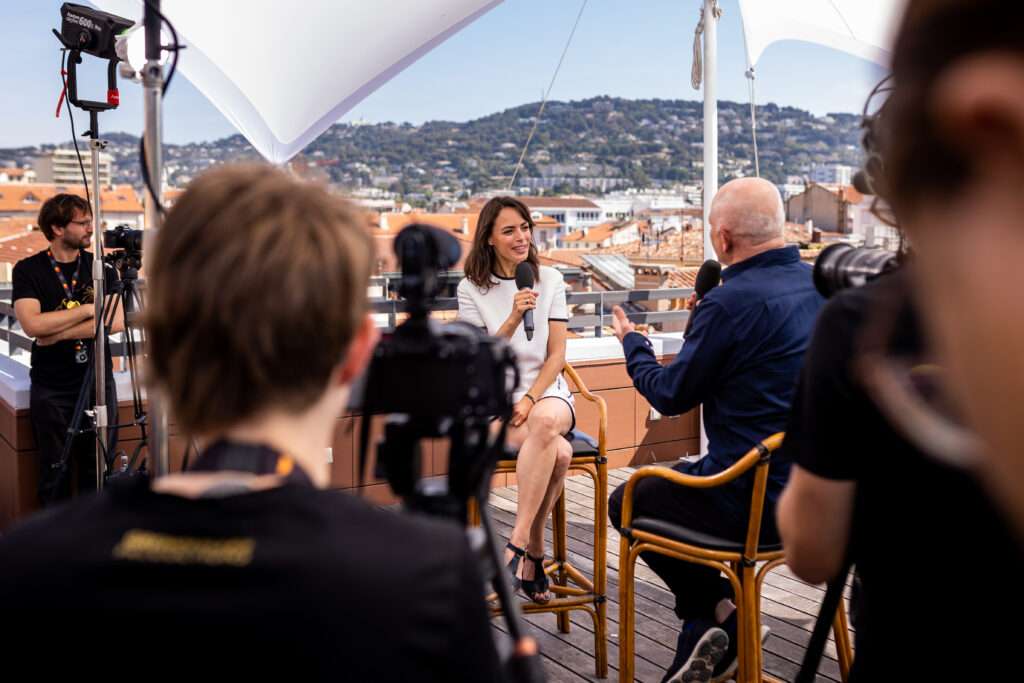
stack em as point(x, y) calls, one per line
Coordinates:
point(153, 83)
point(95, 146)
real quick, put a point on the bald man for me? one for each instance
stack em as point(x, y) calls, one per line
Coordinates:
point(740, 360)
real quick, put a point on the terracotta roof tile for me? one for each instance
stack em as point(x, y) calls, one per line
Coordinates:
point(558, 203)
point(27, 198)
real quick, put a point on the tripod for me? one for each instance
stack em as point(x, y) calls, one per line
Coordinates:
point(473, 453)
point(125, 293)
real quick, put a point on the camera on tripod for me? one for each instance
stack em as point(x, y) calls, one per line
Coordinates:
point(123, 237)
point(125, 255)
point(444, 381)
point(437, 381)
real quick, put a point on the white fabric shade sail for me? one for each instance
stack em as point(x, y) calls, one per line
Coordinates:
point(864, 28)
point(282, 72)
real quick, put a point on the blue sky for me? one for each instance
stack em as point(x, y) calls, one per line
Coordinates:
point(624, 48)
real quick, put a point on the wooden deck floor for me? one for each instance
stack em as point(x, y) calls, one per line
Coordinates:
point(789, 606)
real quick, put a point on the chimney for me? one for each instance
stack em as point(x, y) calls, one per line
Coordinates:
point(464, 228)
point(384, 221)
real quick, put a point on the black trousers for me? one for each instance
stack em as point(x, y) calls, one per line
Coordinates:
point(51, 413)
point(721, 511)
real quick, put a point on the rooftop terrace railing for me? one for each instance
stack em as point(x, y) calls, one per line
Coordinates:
point(598, 318)
point(588, 310)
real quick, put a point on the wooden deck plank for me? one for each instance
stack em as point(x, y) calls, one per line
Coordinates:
point(789, 605)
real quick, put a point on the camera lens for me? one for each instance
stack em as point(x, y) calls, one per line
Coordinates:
point(841, 265)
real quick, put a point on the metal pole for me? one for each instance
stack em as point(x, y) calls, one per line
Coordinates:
point(152, 83)
point(710, 143)
point(710, 118)
point(99, 343)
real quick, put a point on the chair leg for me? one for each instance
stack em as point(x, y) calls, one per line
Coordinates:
point(626, 625)
point(748, 647)
point(601, 567)
point(561, 554)
point(844, 650)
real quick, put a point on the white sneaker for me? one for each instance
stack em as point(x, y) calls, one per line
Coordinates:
point(730, 670)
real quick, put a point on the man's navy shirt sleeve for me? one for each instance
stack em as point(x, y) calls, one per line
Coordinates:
point(687, 380)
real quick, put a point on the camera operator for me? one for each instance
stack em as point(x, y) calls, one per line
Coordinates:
point(954, 149)
point(878, 482)
point(53, 300)
point(257, 321)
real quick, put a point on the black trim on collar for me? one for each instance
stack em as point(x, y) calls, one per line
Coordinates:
point(500, 277)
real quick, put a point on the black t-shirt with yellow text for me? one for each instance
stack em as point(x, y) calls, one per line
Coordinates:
point(58, 365)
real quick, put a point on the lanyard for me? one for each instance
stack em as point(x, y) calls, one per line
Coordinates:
point(68, 291)
point(257, 459)
point(81, 356)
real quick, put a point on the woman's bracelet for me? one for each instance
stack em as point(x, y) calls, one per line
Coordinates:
point(532, 399)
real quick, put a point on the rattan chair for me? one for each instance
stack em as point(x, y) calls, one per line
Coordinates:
point(572, 589)
point(737, 560)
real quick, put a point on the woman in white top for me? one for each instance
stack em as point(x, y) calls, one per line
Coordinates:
point(543, 412)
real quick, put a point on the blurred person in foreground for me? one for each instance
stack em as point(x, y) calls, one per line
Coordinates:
point(740, 360)
point(953, 147)
point(257, 323)
point(882, 475)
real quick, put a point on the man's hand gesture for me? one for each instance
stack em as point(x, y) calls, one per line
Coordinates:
point(620, 323)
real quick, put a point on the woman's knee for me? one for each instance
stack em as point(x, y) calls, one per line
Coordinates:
point(563, 456)
point(543, 424)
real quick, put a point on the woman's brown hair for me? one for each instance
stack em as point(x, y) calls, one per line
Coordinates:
point(481, 261)
point(257, 284)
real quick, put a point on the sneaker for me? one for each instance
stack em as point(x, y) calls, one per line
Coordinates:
point(700, 648)
point(727, 667)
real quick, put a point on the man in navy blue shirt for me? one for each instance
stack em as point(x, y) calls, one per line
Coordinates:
point(740, 360)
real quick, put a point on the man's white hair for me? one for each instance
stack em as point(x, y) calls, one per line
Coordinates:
point(751, 209)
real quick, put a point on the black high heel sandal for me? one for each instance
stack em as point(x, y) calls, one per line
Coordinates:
point(537, 587)
point(513, 565)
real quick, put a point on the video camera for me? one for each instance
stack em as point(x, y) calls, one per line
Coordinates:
point(842, 265)
point(437, 380)
point(123, 237)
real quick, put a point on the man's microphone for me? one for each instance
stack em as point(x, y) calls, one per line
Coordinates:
point(524, 280)
point(708, 277)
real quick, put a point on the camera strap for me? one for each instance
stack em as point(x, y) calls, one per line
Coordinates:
point(257, 459)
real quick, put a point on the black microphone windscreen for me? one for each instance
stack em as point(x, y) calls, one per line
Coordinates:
point(524, 275)
point(708, 277)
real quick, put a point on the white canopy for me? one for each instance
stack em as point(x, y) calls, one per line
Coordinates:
point(864, 28)
point(282, 72)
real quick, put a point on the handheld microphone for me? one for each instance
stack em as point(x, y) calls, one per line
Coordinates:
point(708, 277)
point(524, 280)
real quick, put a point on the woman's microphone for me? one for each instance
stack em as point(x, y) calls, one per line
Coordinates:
point(524, 280)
